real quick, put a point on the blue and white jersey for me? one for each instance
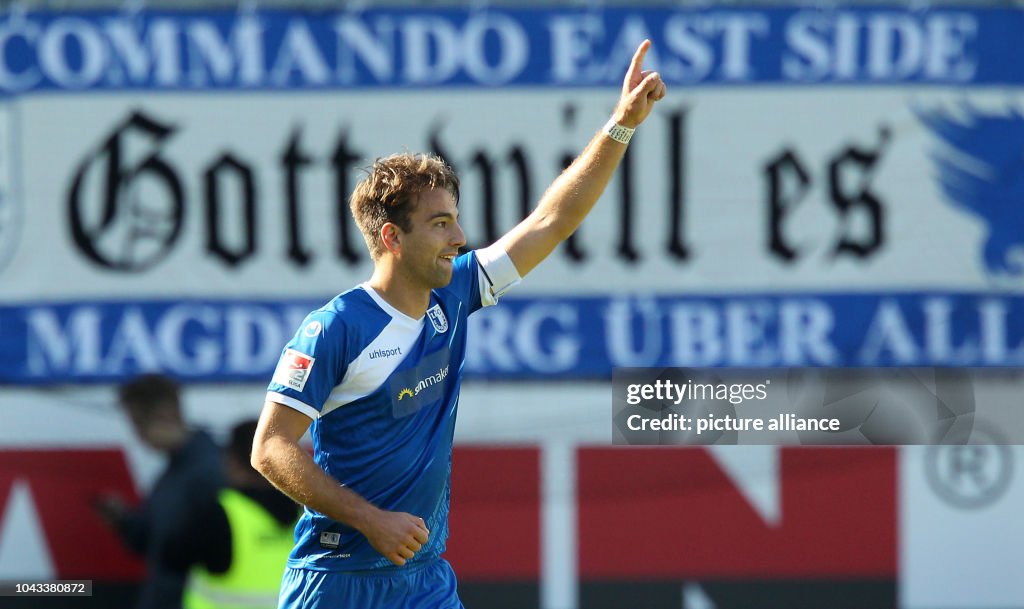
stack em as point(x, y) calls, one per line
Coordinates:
point(382, 389)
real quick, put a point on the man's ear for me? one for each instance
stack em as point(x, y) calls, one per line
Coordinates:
point(391, 237)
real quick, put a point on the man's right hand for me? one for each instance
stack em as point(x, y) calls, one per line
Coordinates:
point(277, 455)
point(110, 508)
point(396, 535)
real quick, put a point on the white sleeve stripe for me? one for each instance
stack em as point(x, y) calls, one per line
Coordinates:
point(497, 273)
point(291, 402)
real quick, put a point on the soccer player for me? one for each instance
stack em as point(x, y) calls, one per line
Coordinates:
point(375, 374)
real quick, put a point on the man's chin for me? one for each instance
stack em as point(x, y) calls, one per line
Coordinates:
point(443, 278)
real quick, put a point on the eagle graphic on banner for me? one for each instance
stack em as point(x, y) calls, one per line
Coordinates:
point(981, 170)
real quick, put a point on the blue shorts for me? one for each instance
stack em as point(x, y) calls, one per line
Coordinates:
point(429, 585)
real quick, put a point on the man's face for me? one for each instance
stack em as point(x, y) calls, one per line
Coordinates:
point(158, 428)
point(431, 245)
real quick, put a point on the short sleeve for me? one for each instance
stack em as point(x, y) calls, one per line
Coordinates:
point(310, 365)
point(465, 284)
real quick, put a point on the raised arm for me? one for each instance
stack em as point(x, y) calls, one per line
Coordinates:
point(572, 195)
point(277, 454)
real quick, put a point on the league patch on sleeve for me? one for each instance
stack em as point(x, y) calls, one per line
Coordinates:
point(293, 369)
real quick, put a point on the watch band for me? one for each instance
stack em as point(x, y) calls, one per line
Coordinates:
point(617, 132)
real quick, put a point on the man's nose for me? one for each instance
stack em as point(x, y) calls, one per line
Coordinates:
point(458, 237)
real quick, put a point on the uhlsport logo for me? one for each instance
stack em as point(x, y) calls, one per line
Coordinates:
point(313, 329)
point(981, 170)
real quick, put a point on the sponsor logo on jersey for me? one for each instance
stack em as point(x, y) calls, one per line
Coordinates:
point(293, 369)
point(437, 319)
point(424, 383)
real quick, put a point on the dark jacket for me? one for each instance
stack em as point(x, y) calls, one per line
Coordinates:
point(190, 483)
point(207, 541)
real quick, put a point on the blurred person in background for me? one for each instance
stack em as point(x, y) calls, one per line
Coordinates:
point(375, 374)
point(243, 539)
point(189, 483)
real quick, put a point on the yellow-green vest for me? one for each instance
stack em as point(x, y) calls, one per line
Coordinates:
point(259, 548)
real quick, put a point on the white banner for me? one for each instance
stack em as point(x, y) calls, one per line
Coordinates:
point(246, 195)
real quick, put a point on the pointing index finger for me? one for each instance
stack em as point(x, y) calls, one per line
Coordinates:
point(636, 65)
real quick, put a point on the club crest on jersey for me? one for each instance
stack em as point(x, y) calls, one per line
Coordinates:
point(293, 369)
point(437, 319)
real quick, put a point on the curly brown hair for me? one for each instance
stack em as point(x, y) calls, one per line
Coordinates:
point(390, 189)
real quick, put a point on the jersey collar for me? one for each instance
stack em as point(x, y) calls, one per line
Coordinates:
point(390, 310)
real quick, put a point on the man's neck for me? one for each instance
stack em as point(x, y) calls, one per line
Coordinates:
point(401, 294)
point(175, 438)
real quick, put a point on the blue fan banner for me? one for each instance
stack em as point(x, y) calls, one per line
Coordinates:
point(269, 49)
point(531, 338)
